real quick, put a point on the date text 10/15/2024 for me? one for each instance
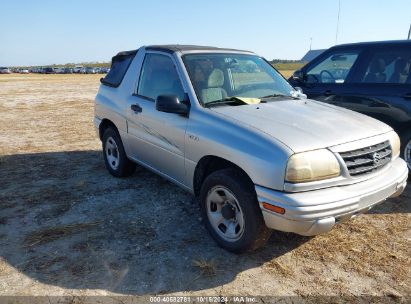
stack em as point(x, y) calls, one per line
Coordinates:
point(201, 299)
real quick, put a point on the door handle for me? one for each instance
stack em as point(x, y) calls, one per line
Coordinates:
point(407, 96)
point(328, 93)
point(136, 108)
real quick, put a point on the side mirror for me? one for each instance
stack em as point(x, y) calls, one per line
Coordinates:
point(299, 90)
point(298, 76)
point(170, 104)
point(298, 93)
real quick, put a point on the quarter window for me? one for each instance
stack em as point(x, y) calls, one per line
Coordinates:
point(119, 67)
point(333, 69)
point(159, 77)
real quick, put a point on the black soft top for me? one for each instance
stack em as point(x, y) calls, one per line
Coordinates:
point(172, 48)
point(126, 53)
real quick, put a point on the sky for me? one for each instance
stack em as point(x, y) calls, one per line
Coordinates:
point(42, 32)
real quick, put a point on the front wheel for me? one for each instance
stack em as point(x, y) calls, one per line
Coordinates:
point(231, 212)
point(406, 148)
point(115, 158)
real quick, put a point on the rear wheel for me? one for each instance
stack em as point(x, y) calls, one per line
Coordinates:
point(231, 212)
point(115, 158)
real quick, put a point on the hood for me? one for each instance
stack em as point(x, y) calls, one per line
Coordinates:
point(304, 125)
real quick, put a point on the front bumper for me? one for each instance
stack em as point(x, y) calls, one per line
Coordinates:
point(97, 122)
point(317, 211)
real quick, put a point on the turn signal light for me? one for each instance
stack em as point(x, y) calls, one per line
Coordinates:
point(273, 208)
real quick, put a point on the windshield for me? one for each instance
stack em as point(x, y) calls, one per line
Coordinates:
point(219, 77)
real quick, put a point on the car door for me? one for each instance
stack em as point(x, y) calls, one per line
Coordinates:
point(378, 83)
point(381, 86)
point(327, 76)
point(157, 138)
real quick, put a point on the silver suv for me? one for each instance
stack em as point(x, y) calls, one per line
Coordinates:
point(226, 126)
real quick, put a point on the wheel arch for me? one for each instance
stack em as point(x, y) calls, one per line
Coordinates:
point(209, 164)
point(404, 129)
point(104, 124)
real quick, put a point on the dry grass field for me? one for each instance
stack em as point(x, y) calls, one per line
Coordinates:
point(287, 73)
point(69, 228)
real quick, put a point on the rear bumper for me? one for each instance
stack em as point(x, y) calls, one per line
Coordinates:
point(315, 212)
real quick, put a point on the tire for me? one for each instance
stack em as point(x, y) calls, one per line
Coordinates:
point(115, 158)
point(406, 148)
point(231, 212)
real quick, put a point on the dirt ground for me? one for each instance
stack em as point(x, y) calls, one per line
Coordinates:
point(69, 228)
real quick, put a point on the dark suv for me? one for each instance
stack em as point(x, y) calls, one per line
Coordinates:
point(373, 78)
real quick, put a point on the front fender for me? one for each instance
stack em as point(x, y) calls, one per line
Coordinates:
point(262, 157)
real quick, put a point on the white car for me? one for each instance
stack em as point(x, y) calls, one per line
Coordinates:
point(59, 70)
point(90, 70)
point(4, 70)
point(77, 69)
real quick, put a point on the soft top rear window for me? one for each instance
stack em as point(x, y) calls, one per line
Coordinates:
point(119, 67)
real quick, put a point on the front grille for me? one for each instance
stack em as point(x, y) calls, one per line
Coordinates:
point(368, 159)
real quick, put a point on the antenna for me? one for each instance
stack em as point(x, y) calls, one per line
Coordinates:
point(311, 41)
point(338, 21)
point(409, 33)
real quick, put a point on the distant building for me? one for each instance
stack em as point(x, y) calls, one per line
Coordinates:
point(311, 54)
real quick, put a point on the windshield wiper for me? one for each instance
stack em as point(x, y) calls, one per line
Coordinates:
point(226, 100)
point(277, 95)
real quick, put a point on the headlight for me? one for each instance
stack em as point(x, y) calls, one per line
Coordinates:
point(395, 144)
point(312, 166)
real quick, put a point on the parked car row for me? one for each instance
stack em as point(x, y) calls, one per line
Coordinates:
point(90, 70)
point(57, 70)
point(5, 70)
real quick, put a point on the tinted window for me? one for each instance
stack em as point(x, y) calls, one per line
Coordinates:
point(119, 67)
point(333, 69)
point(159, 77)
point(388, 66)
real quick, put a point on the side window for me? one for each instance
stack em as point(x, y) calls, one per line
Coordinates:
point(333, 69)
point(388, 66)
point(159, 77)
